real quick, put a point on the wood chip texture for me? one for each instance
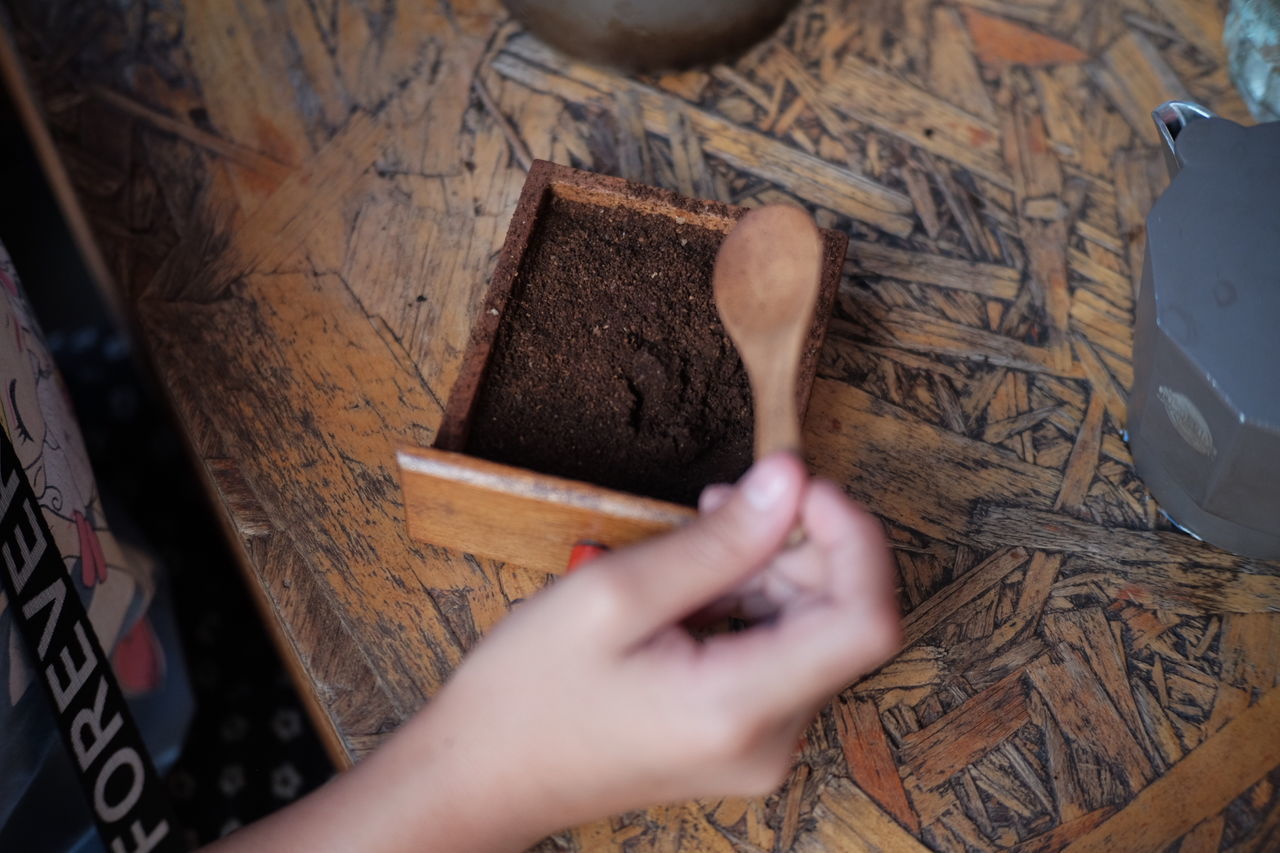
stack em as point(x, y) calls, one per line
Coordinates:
point(301, 203)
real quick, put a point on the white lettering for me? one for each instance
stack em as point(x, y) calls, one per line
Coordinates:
point(56, 592)
point(142, 841)
point(64, 693)
point(91, 719)
point(7, 491)
point(128, 758)
point(31, 551)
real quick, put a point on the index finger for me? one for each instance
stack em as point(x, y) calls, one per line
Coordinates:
point(665, 580)
point(823, 641)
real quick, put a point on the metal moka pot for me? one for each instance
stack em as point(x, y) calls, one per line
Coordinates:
point(1204, 413)
point(650, 35)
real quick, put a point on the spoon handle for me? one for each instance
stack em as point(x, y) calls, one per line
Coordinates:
point(778, 427)
point(777, 422)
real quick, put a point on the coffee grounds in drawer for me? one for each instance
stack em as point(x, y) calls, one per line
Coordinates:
point(610, 364)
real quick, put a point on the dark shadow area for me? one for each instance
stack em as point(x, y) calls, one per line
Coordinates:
point(250, 747)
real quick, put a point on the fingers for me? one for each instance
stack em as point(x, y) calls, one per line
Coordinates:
point(856, 555)
point(805, 657)
point(713, 497)
point(842, 627)
point(666, 579)
point(843, 555)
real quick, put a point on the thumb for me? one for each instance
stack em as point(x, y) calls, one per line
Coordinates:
point(665, 580)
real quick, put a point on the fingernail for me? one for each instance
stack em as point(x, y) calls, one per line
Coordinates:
point(714, 497)
point(765, 485)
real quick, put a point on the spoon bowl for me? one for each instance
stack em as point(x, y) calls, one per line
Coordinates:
point(767, 277)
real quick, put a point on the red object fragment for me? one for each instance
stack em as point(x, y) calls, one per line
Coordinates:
point(583, 553)
point(139, 659)
point(93, 565)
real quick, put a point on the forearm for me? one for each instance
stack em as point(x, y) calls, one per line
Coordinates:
point(417, 792)
point(593, 698)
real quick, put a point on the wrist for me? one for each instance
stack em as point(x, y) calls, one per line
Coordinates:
point(469, 794)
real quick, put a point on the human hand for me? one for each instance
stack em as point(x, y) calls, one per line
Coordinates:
point(593, 698)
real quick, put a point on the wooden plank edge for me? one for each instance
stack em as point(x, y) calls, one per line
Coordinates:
point(1242, 752)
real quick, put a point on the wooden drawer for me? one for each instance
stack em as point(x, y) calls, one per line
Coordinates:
point(455, 499)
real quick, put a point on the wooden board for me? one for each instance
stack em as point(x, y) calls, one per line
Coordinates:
point(456, 501)
point(301, 204)
point(517, 516)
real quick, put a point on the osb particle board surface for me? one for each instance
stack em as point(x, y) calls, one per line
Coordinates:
point(304, 235)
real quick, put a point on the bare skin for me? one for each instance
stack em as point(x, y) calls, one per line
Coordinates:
point(593, 698)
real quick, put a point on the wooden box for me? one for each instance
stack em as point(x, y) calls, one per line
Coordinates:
point(455, 499)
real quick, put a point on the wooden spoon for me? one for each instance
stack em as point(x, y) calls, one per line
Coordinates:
point(766, 285)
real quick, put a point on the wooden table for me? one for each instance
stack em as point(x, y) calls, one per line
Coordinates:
point(300, 203)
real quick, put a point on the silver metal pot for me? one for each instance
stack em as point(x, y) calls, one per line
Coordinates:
point(1204, 413)
point(647, 35)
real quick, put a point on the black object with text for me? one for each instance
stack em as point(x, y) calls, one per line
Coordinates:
point(119, 781)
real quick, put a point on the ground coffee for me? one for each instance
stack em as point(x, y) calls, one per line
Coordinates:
point(610, 364)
